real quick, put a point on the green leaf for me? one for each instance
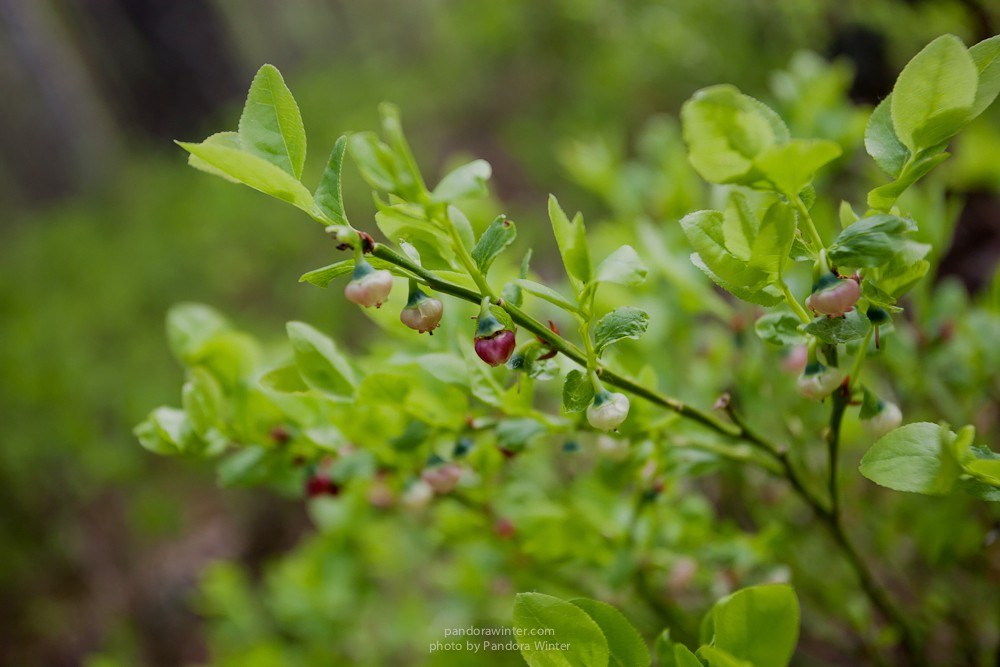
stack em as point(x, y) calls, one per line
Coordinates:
point(716, 657)
point(497, 237)
point(410, 183)
point(227, 139)
point(203, 401)
point(465, 182)
point(619, 324)
point(759, 624)
point(623, 266)
point(578, 392)
point(835, 330)
point(792, 166)
point(683, 657)
point(512, 291)
point(740, 253)
point(725, 130)
point(325, 275)
point(780, 328)
point(771, 248)
point(462, 226)
point(914, 457)
point(986, 55)
point(766, 296)
point(329, 197)
point(571, 237)
point(404, 222)
point(903, 271)
point(881, 141)
point(190, 326)
point(933, 96)
point(164, 431)
point(255, 172)
point(547, 293)
point(870, 241)
point(271, 126)
point(625, 644)
point(576, 642)
point(883, 197)
point(284, 380)
point(376, 161)
point(985, 470)
point(322, 366)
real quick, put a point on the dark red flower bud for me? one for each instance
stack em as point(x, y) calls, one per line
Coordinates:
point(496, 349)
point(320, 485)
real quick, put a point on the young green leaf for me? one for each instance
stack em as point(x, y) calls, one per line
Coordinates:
point(329, 197)
point(405, 222)
point(376, 161)
point(623, 266)
point(915, 457)
point(792, 166)
point(253, 171)
point(228, 139)
point(725, 130)
point(497, 237)
point(759, 624)
point(512, 291)
point(462, 227)
point(164, 431)
point(203, 402)
point(881, 141)
point(577, 639)
point(625, 644)
point(284, 380)
point(321, 364)
point(933, 96)
point(883, 197)
point(870, 241)
point(740, 253)
point(325, 275)
point(780, 328)
point(619, 324)
point(271, 126)
point(465, 182)
point(571, 237)
point(408, 178)
point(547, 293)
point(716, 657)
point(986, 55)
point(190, 326)
point(578, 392)
point(683, 657)
point(766, 296)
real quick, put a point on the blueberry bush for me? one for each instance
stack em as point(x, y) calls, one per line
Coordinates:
point(576, 418)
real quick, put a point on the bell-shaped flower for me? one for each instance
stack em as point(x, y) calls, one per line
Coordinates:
point(422, 313)
point(888, 418)
point(608, 410)
point(834, 296)
point(817, 381)
point(368, 287)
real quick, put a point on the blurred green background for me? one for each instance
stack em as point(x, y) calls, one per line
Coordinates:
point(102, 544)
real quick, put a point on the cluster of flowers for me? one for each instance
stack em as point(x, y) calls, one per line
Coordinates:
point(494, 340)
point(835, 296)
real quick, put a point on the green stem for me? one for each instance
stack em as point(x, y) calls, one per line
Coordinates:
point(558, 343)
point(465, 257)
point(859, 360)
point(810, 226)
point(793, 302)
point(841, 398)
